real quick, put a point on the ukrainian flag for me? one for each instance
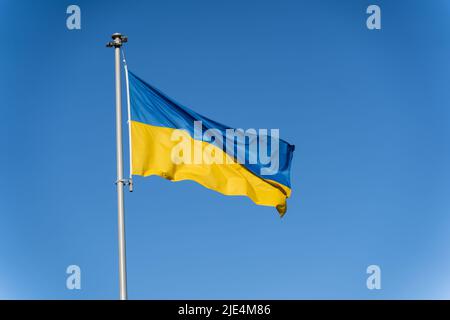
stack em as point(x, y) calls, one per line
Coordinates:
point(154, 120)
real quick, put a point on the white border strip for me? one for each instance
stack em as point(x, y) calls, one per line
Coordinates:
point(129, 114)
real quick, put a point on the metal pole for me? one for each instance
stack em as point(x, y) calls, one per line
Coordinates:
point(117, 42)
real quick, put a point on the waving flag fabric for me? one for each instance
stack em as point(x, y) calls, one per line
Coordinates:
point(158, 124)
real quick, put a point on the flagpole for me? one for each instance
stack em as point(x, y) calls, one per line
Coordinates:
point(117, 42)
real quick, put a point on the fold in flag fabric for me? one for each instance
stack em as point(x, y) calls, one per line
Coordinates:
point(160, 128)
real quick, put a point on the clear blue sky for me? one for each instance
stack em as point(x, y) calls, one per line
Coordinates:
point(367, 111)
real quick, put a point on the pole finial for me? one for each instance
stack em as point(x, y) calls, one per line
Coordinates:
point(118, 40)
